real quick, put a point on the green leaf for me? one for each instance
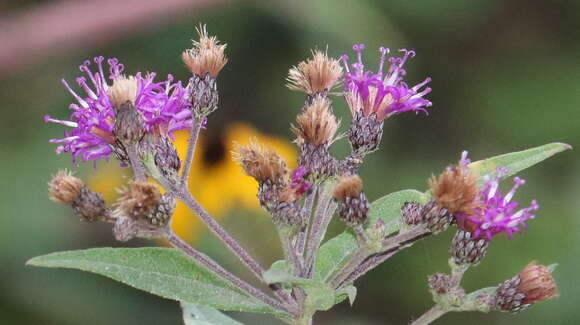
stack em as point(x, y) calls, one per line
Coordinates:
point(194, 314)
point(320, 296)
point(517, 161)
point(346, 292)
point(166, 272)
point(335, 253)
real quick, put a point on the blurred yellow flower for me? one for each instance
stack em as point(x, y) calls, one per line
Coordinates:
point(215, 180)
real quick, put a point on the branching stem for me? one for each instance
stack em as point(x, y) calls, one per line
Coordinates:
point(191, 146)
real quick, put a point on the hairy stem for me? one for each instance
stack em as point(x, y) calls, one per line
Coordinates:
point(184, 195)
point(429, 316)
point(203, 259)
point(361, 254)
point(136, 164)
point(324, 213)
point(307, 209)
point(194, 134)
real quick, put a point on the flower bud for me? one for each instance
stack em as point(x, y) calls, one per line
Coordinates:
point(129, 126)
point(535, 283)
point(468, 250)
point(411, 213)
point(436, 218)
point(87, 205)
point(353, 206)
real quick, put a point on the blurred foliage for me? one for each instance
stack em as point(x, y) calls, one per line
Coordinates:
point(506, 76)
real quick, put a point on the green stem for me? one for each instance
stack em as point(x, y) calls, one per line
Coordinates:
point(195, 128)
point(430, 316)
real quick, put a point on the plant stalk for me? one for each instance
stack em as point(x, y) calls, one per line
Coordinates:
point(324, 212)
point(206, 261)
point(191, 146)
point(430, 316)
point(136, 164)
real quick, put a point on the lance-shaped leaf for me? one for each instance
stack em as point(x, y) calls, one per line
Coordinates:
point(165, 272)
point(517, 161)
point(194, 314)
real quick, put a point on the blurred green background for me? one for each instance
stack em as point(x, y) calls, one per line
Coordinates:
point(506, 77)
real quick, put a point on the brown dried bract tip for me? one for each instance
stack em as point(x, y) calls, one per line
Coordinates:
point(206, 55)
point(537, 283)
point(124, 89)
point(260, 162)
point(456, 190)
point(317, 124)
point(64, 187)
point(317, 74)
point(349, 186)
point(139, 199)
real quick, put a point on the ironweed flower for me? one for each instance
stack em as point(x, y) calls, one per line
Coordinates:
point(318, 74)
point(498, 213)
point(163, 106)
point(382, 93)
point(354, 205)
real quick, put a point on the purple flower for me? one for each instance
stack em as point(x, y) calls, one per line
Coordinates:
point(382, 93)
point(298, 181)
point(164, 106)
point(498, 213)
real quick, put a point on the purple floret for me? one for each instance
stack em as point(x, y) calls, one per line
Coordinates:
point(384, 94)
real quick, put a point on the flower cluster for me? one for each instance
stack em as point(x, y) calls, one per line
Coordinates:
point(382, 93)
point(163, 105)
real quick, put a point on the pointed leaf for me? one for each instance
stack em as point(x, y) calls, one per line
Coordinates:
point(517, 161)
point(194, 314)
point(166, 272)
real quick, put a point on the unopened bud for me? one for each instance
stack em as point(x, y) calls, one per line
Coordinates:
point(440, 283)
point(436, 218)
point(535, 283)
point(353, 203)
point(365, 133)
point(466, 250)
point(204, 95)
point(411, 213)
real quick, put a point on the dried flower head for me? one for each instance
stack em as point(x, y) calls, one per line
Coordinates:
point(260, 162)
point(317, 124)
point(535, 283)
point(138, 200)
point(497, 212)
point(315, 75)
point(206, 55)
point(64, 188)
point(456, 188)
point(348, 186)
point(123, 90)
point(163, 105)
point(379, 93)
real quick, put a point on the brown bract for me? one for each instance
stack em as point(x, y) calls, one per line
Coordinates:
point(206, 55)
point(138, 200)
point(124, 89)
point(317, 124)
point(456, 190)
point(260, 162)
point(348, 186)
point(317, 74)
point(64, 187)
point(537, 283)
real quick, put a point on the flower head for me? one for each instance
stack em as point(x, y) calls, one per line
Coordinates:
point(317, 124)
point(382, 93)
point(317, 74)
point(206, 55)
point(498, 213)
point(163, 106)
